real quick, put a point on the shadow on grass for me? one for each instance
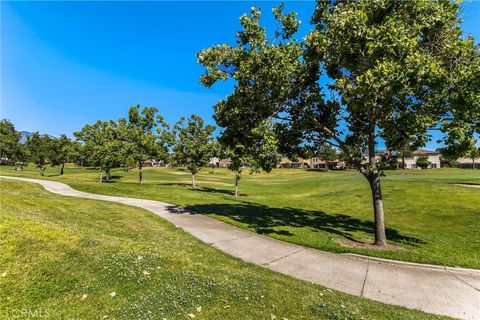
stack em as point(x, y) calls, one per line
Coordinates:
point(264, 220)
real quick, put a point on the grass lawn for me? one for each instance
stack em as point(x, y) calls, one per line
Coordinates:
point(67, 258)
point(430, 218)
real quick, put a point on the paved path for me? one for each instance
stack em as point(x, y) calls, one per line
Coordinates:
point(477, 186)
point(435, 289)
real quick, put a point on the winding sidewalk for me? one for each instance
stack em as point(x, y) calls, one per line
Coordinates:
point(435, 289)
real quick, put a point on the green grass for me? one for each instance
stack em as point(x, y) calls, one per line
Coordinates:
point(431, 218)
point(55, 250)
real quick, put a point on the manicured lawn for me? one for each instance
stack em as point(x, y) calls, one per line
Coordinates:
point(427, 215)
point(67, 258)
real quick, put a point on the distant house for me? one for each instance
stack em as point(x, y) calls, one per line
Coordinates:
point(433, 158)
point(317, 163)
point(410, 162)
point(219, 163)
point(298, 163)
point(468, 163)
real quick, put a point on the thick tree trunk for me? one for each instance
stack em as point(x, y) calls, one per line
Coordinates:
point(107, 175)
point(101, 175)
point(140, 173)
point(193, 181)
point(61, 169)
point(236, 184)
point(379, 218)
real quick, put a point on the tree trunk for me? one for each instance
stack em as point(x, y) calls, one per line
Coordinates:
point(61, 169)
point(107, 175)
point(193, 181)
point(42, 171)
point(237, 177)
point(140, 173)
point(380, 237)
point(403, 162)
point(101, 175)
point(473, 163)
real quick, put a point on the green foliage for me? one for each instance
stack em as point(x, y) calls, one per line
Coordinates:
point(193, 143)
point(396, 69)
point(140, 140)
point(38, 148)
point(422, 162)
point(10, 147)
point(102, 143)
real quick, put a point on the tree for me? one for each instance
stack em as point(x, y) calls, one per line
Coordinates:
point(59, 152)
point(394, 66)
point(474, 153)
point(192, 144)
point(326, 153)
point(9, 142)
point(259, 155)
point(102, 143)
point(422, 162)
point(39, 149)
point(141, 141)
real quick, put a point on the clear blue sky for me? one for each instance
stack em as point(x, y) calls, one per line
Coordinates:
point(65, 64)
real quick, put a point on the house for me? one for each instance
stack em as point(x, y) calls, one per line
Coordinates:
point(410, 162)
point(468, 163)
point(298, 163)
point(433, 158)
point(219, 163)
point(317, 163)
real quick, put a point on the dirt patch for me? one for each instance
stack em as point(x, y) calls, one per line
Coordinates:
point(368, 245)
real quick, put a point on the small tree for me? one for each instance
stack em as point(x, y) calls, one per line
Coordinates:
point(9, 142)
point(141, 141)
point(327, 153)
point(39, 149)
point(192, 144)
point(102, 145)
point(474, 153)
point(259, 155)
point(59, 152)
point(423, 162)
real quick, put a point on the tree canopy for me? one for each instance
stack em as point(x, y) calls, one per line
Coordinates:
point(396, 69)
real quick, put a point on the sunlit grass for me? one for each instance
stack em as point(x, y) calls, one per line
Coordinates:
point(69, 258)
point(434, 220)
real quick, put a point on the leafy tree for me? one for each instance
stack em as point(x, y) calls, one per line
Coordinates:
point(474, 153)
point(59, 152)
point(422, 162)
point(259, 155)
point(192, 144)
point(10, 147)
point(39, 149)
point(141, 141)
point(394, 66)
point(102, 143)
point(326, 153)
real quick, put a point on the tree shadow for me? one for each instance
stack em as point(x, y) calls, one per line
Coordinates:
point(264, 220)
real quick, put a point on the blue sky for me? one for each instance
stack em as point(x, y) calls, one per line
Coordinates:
point(65, 64)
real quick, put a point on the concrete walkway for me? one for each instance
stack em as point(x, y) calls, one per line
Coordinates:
point(435, 289)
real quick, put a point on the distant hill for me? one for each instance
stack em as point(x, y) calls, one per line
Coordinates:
point(26, 134)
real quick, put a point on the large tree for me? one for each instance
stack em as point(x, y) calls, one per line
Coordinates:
point(142, 143)
point(392, 66)
point(10, 147)
point(192, 144)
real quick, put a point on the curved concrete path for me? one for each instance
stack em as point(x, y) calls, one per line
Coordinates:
point(435, 289)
